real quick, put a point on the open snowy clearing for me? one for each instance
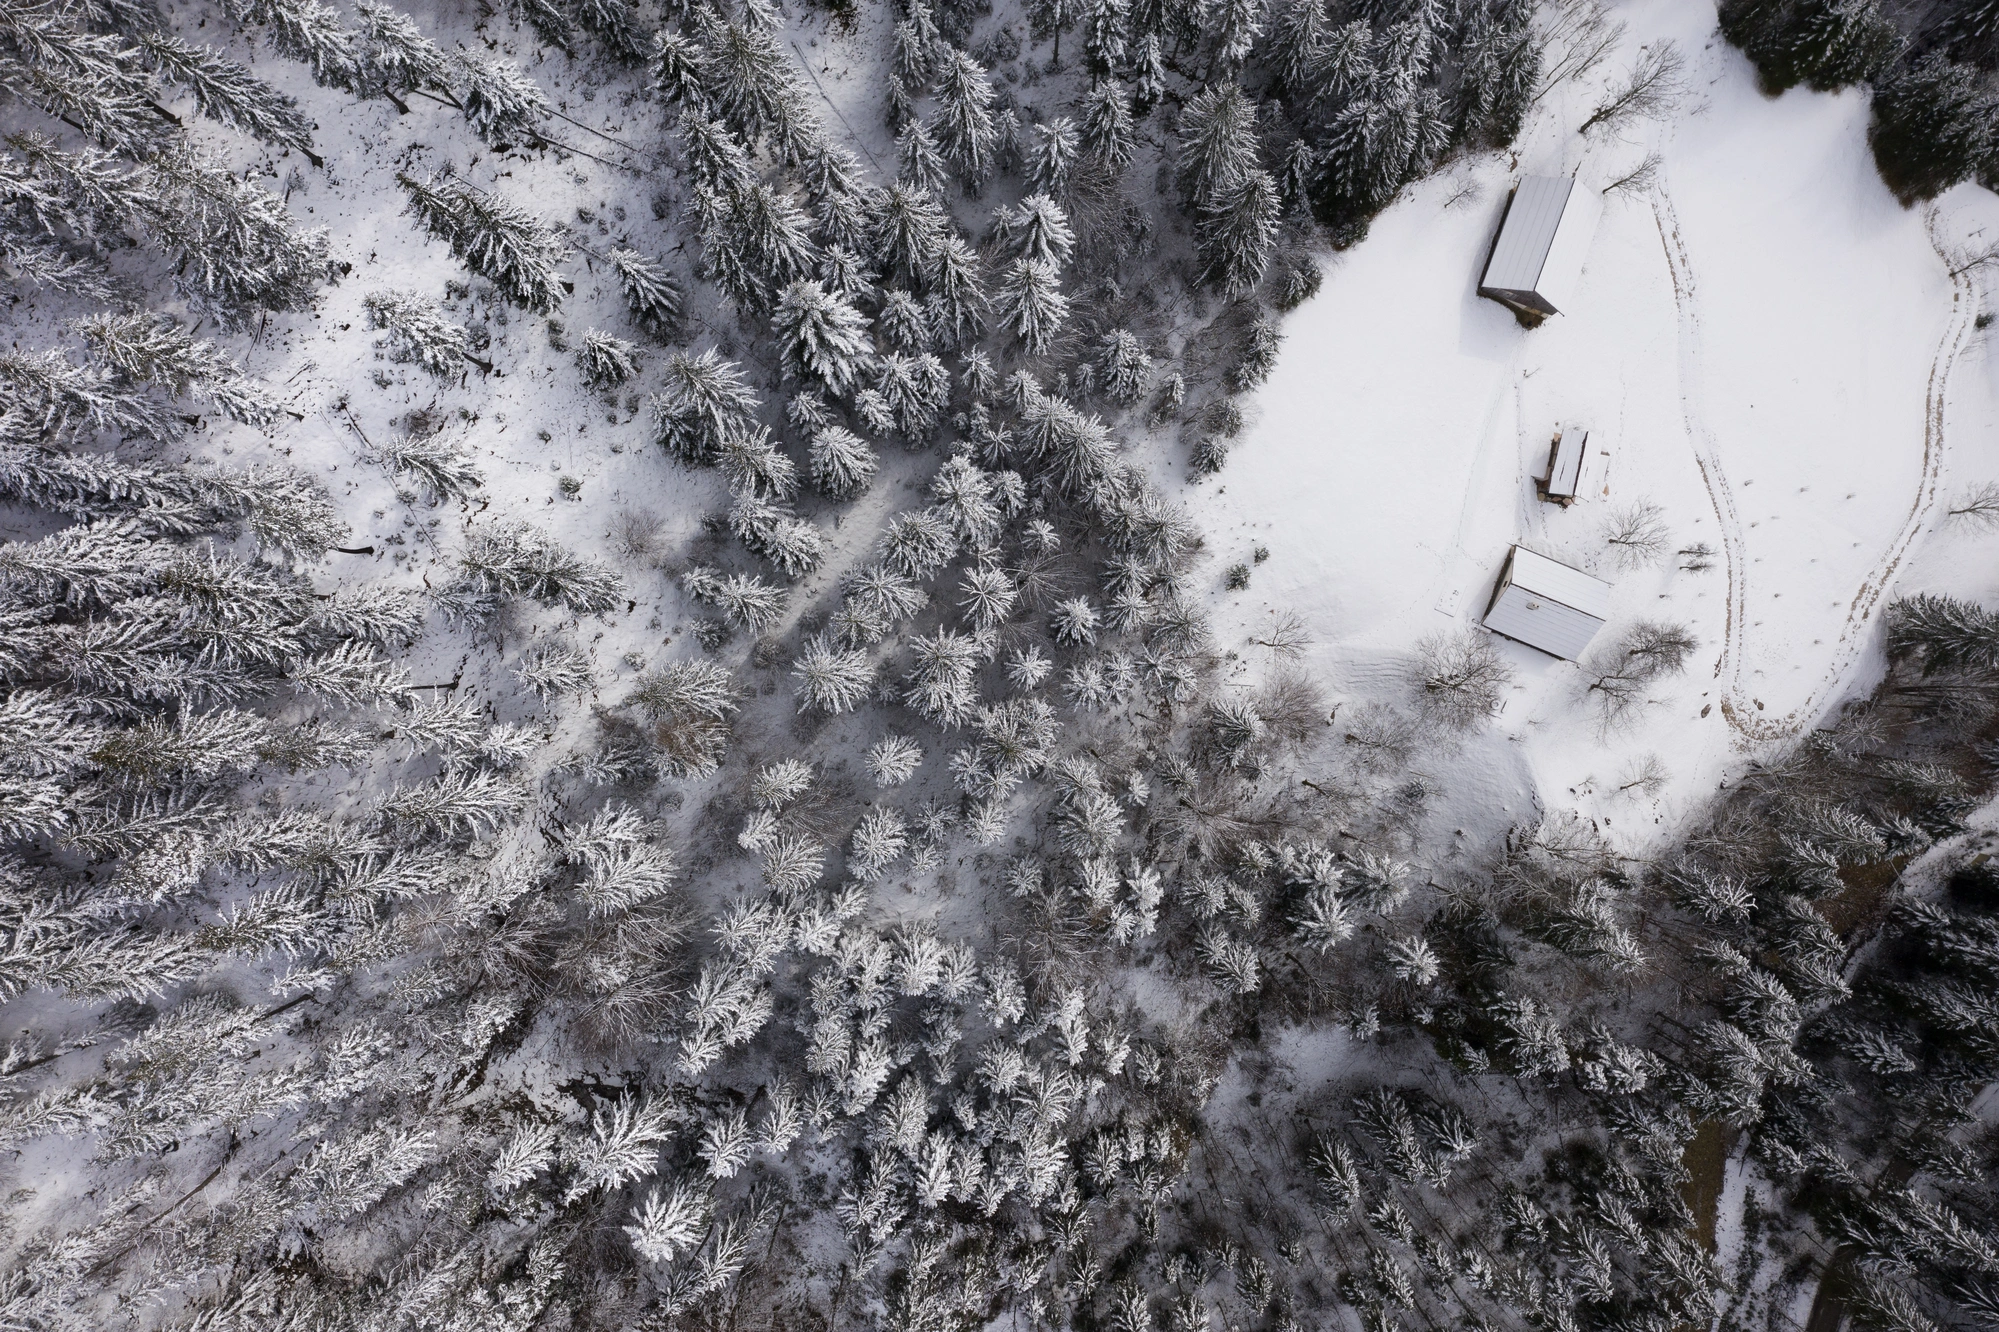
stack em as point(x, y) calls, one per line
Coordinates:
point(1765, 345)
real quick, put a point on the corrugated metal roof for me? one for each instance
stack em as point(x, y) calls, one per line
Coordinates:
point(1556, 629)
point(1555, 581)
point(1526, 235)
point(1565, 473)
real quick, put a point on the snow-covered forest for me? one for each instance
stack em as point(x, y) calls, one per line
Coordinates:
point(612, 712)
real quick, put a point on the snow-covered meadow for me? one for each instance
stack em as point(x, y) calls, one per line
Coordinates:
point(1765, 344)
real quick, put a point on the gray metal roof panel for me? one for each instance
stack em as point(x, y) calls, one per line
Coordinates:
point(1527, 233)
point(1558, 630)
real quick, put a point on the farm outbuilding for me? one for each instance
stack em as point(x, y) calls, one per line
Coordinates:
point(1547, 605)
point(1537, 258)
point(1565, 465)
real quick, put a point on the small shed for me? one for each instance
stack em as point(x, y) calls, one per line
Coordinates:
point(1565, 465)
point(1547, 605)
point(1537, 258)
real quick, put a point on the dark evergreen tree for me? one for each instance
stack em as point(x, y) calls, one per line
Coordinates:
point(1932, 128)
point(1235, 235)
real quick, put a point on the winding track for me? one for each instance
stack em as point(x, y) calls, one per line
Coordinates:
point(1743, 713)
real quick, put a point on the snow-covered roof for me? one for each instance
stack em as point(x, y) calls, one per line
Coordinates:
point(1539, 254)
point(1548, 605)
point(1565, 467)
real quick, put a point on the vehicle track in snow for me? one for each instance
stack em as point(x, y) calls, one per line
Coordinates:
point(1744, 713)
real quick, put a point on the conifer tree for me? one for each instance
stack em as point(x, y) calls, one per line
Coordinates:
point(606, 361)
point(830, 678)
point(153, 349)
point(1218, 150)
point(958, 301)
point(1123, 367)
point(822, 336)
point(1294, 40)
point(744, 600)
point(1932, 128)
point(500, 100)
point(1037, 230)
point(234, 244)
point(226, 92)
point(705, 403)
point(902, 322)
point(919, 164)
point(616, 24)
point(515, 252)
point(1106, 24)
point(1148, 78)
point(1054, 156)
point(306, 31)
point(842, 463)
point(910, 232)
point(679, 70)
point(965, 128)
point(397, 59)
point(651, 293)
point(1237, 28)
point(1031, 304)
point(1109, 136)
point(418, 330)
point(518, 560)
point(1235, 235)
point(756, 244)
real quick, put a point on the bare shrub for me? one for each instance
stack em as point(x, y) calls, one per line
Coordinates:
point(1460, 678)
point(1380, 740)
point(1293, 708)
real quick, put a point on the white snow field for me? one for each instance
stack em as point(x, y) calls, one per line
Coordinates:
point(1764, 344)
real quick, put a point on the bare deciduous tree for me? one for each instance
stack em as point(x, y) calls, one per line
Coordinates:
point(1578, 38)
point(1639, 179)
point(1288, 637)
point(1649, 90)
point(1636, 534)
point(1647, 776)
point(1648, 651)
point(1980, 506)
point(1460, 678)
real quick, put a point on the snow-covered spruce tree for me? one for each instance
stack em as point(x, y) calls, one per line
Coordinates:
point(518, 560)
point(705, 404)
point(418, 330)
point(823, 337)
point(651, 292)
point(520, 255)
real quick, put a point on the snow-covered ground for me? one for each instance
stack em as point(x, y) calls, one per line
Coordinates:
point(1765, 345)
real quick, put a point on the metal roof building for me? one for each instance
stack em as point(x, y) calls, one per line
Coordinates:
point(1547, 605)
point(1537, 258)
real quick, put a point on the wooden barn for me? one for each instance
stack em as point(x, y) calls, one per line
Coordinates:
point(1547, 605)
point(1537, 258)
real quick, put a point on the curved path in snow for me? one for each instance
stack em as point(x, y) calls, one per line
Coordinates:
point(1744, 714)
